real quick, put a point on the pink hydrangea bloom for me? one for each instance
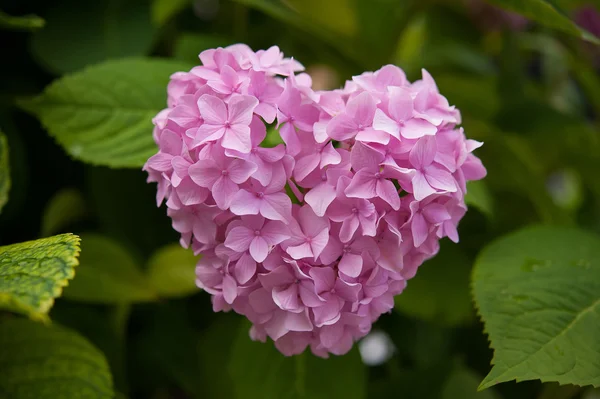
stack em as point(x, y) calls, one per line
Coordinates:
point(312, 239)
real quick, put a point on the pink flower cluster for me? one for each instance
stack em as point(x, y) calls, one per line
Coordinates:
point(311, 239)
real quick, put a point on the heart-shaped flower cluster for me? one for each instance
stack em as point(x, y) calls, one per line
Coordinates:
point(311, 239)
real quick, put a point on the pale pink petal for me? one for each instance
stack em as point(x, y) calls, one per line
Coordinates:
point(436, 213)
point(324, 278)
point(278, 277)
point(239, 239)
point(204, 173)
point(330, 335)
point(245, 203)
point(330, 156)
point(259, 248)
point(320, 197)
point(290, 138)
point(440, 179)
point(329, 313)
point(300, 251)
point(349, 227)
point(373, 136)
point(229, 289)
point(401, 104)
point(318, 242)
point(419, 228)
point(423, 153)
point(362, 108)
point(212, 109)
point(298, 322)
point(266, 111)
point(277, 206)
point(287, 298)
point(245, 268)
point(342, 127)
point(417, 128)
point(363, 185)
point(275, 232)
point(237, 137)
point(305, 165)
point(388, 192)
point(384, 123)
point(206, 133)
point(365, 157)
point(351, 264)
point(223, 192)
point(240, 170)
point(240, 109)
point(421, 187)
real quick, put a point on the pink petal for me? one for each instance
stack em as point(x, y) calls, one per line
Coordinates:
point(275, 232)
point(240, 170)
point(212, 109)
point(329, 156)
point(305, 165)
point(421, 187)
point(245, 268)
point(363, 185)
point(229, 289)
point(277, 206)
point(290, 138)
point(388, 192)
point(223, 192)
point(320, 197)
point(373, 136)
point(237, 137)
point(384, 123)
point(419, 228)
point(362, 108)
point(259, 248)
point(416, 128)
point(401, 104)
point(351, 264)
point(318, 242)
point(347, 291)
point(245, 203)
point(365, 157)
point(287, 298)
point(436, 213)
point(239, 239)
point(329, 313)
point(331, 335)
point(440, 179)
point(272, 154)
point(342, 127)
point(266, 111)
point(324, 278)
point(240, 109)
point(204, 173)
point(278, 277)
point(349, 227)
point(298, 322)
point(300, 251)
point(423, 153)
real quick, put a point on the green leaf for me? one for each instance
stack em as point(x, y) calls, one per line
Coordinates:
point(82, 33)
point(164, 10)
point(189, 45)
point(171, 271)
point(33, 273)
point(4, 171)
point(25, 22)
point(440, 290)
point(259, 371)
point(108, 274)
point(548, 14)
point(337, 15)
point(462, 383)
point(102, 115)
point(64, 208)
point(538, 293)
point(48, 362)
point(479, 196)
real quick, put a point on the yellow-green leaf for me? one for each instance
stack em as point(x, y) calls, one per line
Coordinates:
point(33, 273)
point(163, 10)
point(103, 114)
point(108, 274)
point(4, 171)
point(50, 362)
point(479, 196)
point(171, 270)
point(64, 208)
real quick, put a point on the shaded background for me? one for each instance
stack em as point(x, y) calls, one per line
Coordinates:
point(530, 93)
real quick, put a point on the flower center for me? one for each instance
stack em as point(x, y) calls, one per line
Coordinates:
point(227, 125)
point(225, 172)
point(378, 175)
point(257, 232)
point(260, 195)
point(354, 210)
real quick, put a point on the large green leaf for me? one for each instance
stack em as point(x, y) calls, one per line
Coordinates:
point(259, 371)
point(171, 270)
point(66, 207)
point(440, 290)
point(33, 273)
point(102, 115)
point(546, 13)
point(108, 274)
point(4, 171)
point(479, 196)
point(25, 22)
point(538, 292)
point(82, 33)
point(49, 362)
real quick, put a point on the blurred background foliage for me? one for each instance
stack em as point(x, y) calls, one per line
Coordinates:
point(529, 87)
